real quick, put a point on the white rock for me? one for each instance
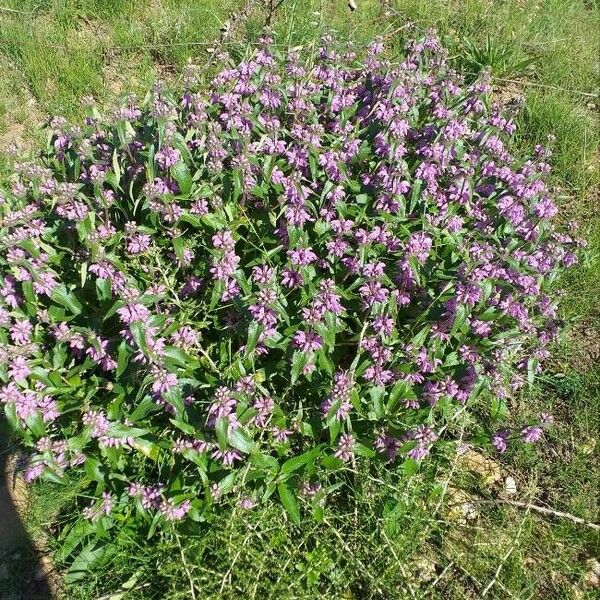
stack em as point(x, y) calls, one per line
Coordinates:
point(510, 486)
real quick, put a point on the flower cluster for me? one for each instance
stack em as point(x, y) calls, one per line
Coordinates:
point(312, 262)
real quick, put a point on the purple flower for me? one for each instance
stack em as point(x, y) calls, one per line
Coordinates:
point(383, 325)
point(500, 440)
point(307, 341)
point(345, 447)
point(95, 511)
point(545, 209)
point(19, 368)
point(138, 243)
point(373, 292)
point(264, 407)
point(339, 397)
point(263, 274)
point(185, 337)
point(163, 380)
point(531, 434)
point(302, 256)
point(351, 233)
point(281, 434)
point(167, 157)
point(149, 495)
point(247, 503)
point(419, 245)
point(174, 512)
point(388, 445)
point(226, 457)
point(20, 332)
point(291, 278)
point(132, 313)
point(419, 452)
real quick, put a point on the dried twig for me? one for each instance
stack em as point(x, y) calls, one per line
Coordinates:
point(539, 509)
point(14, 10)
point(494, 579)
point(186, 568)
point(439, 577)
point(545, 86)
point(399, 563)
point(272, 6)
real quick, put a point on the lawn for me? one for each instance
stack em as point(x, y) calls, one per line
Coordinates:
point(389, 539)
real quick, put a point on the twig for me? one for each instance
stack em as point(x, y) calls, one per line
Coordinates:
point(475, 580)
point(545, 86)
point(399, 563)
point(186, 568)
point(272, 8)
point(539, 509)
point(14, 10)
point(228, 573)
point(349, 551)
point(439, 577)
point(447, 482)
point(494, 579)
point(397, 30)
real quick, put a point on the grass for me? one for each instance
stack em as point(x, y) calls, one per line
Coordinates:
point(386, 540)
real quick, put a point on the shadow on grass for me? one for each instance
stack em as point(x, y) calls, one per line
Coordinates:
point(22, 572)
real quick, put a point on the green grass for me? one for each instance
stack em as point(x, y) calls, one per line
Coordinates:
point(385, 540)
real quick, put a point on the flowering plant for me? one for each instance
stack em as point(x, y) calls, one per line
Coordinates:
point(241, 289)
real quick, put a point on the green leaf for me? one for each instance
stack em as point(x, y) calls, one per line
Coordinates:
point(119, 430)
point(10, 411)
point(459, 320)
point(499, 409)
point(266, 462)
point(103, 289)
point(74, 538)
point(175, 399)
point(377, 393)
point(122, 358)
point(146, 447)
point(297, 462)
point(213, 221)
point(335, 427)
point(83, 271)
point(183, 177)
point(138, 330)
point(221, 427)
point(179, 358)
point(415, 195)
point(419, 339)
point(362, 450)
point(226, 484)
point(65, 298)
point(240, 440)
point(116, 168)
point(145, 407)
point(254, 331)
point(299, 361)
point(92, 470)
point(27, 287)
point(84, 562)
point(410, 466)
point(183, 426)
point(289, 501)
point(332, 463)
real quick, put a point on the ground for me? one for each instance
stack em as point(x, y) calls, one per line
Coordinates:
point(388, 542)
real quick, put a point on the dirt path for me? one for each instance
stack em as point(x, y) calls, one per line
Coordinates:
point(23, 576)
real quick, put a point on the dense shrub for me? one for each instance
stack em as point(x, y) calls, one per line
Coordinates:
point(313, 263)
